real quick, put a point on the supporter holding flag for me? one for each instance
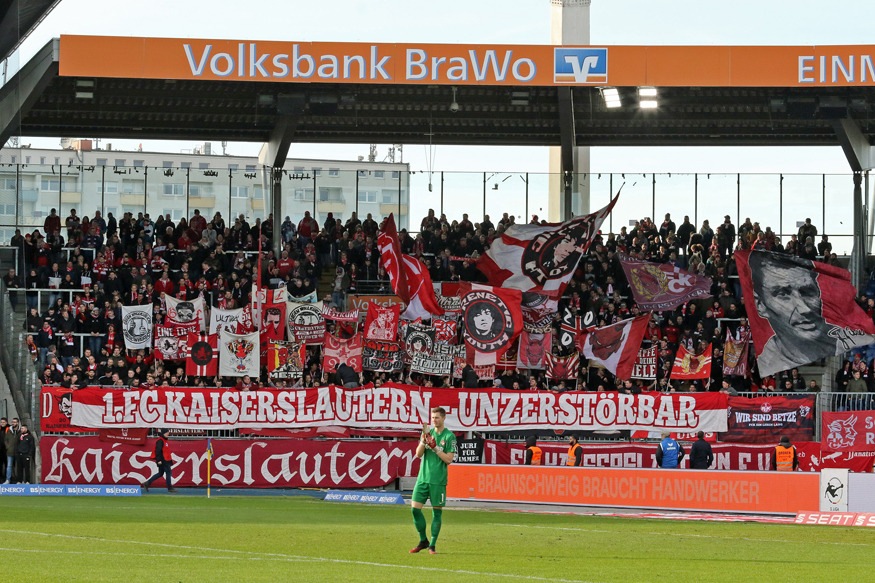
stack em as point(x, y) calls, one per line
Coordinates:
point(408, 275)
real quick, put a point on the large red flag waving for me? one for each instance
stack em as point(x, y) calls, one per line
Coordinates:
point(408, 275)
point(616, 346)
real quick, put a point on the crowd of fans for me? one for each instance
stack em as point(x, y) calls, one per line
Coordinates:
point(107, 264)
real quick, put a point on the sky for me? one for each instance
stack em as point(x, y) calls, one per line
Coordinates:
point(613, 22)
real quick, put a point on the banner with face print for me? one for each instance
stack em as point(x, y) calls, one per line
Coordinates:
point(382, 322)
point(170, 343)
point(137, 326)
point(532, 348)
point(491, 317)
point(188, 315)
point(800, 310)
point(304, 322)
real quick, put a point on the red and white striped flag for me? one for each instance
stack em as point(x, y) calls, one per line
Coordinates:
point(203, 355)
point(616, 346)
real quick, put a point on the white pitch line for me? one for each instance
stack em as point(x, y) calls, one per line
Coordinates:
point(744, 538)
point(266, 557)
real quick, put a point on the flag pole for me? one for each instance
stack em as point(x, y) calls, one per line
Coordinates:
point(209, 463)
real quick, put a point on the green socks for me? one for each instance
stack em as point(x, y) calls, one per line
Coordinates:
point(436, 514)
point(419, 523)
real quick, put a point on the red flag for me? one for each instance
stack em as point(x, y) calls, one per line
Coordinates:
point(390, 258)
point(541, 258)
point(658, 286)
point(203, 355)
point(532, 348)
point(616, 346)
point(735, 354)
point(689, 365)
point(382, 323)
point(562, 367)
point(408, 275)
point(492, 318)
point(800, 310)
point(336, 350)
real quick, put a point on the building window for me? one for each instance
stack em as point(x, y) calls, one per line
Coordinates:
point(203, 165)
point(133, 187)
point(186, 165)
point(7, 210)
point(298, 169)
point(379, 174)
point(233, 167)
point(119, 163)
point(388, 196)
point(257, 192)
point(367, 196)
point(111, 210)
point(250, 167)
point(239, 192)
point(395, 174)
point(138, 163)
point(200, 189)
point(166, 164)
point(14, 159)
point(303, 194)
point(334, 172)
point(174, 189)
point(70, 184)
point(42, 159)
point(7, 183)
point(317, 171)
point(57, 161)
point(50, 184)
point(27, 159)
point(107, 188)
point(101, 161)
point(363, 173)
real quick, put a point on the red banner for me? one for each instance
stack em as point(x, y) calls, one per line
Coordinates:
point(133, 436)
point(643, 455)
point(659, 287)
point(56, 410)
point(688, 365)
point(337, 350)
point(398, 407)
point(848, 431)
point(760, 419)
point(800, 310)
point(287, 463)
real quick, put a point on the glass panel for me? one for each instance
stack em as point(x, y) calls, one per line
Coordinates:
point(509, 197)
point(8, 196)
point(838, 222)
point(166, 194)
point(421, 198)
point(539, 197)
point(463, 193)
point(802, 198)
point(246, 194)
point(39, 193)
point(374, 191)
point(338, 195)
point(87, 197)
point(636, 200)
point(675, 195)
point(717, 196)
point(760, 201)
point(404, 212)
point(298, 195)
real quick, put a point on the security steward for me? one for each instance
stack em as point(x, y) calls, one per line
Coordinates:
point(575, 452)
point(785, 458)
point(533, 452)
point(161, 455)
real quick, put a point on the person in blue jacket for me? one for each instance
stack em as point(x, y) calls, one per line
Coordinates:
point(669, 453)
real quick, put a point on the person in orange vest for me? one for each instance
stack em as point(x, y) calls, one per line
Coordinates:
point(575, 452)
point(161, 456)
point(533, 452)
point(785, 458)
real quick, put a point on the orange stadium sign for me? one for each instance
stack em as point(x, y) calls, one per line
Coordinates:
point(445, 64)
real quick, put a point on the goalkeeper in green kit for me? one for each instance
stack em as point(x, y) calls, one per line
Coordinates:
point(437, 448)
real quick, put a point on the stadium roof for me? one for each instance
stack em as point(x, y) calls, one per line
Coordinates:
point(229, 90)
point(18, 18)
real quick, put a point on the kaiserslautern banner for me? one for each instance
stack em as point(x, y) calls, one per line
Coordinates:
point(481, 64)
point(398, 407)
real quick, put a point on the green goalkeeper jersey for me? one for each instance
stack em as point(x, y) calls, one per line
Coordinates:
point(433, 470)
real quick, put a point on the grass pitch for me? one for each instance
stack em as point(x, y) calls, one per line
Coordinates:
point(262, 538)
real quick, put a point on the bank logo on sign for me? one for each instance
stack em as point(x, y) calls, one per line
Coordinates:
point(582, 65)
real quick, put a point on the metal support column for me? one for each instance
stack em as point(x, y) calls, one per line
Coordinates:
point(567, 140)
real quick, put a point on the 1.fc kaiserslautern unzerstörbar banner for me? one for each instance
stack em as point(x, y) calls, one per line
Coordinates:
point(398, 407)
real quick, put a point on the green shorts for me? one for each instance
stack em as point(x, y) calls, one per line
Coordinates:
point(435, 492)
